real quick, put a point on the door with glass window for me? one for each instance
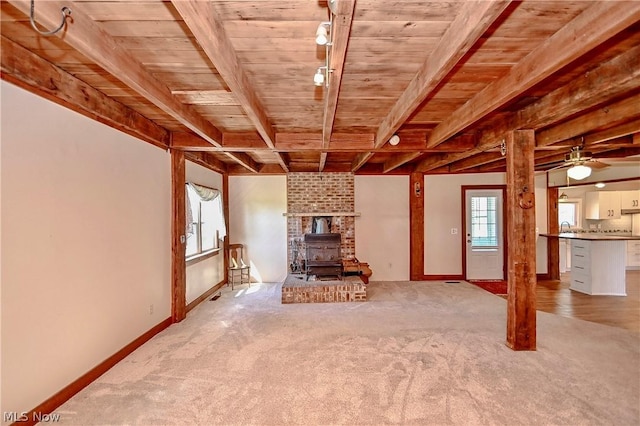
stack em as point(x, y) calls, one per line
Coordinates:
point(484, 237)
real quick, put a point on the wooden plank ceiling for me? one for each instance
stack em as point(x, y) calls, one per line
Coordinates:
point(231, 82)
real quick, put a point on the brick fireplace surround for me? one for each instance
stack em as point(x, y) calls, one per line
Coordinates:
point(321, 193)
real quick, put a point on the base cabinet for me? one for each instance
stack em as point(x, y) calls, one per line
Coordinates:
point(597, 267)
point(633, 254)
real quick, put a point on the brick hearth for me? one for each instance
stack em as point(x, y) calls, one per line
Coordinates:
point(296, 289)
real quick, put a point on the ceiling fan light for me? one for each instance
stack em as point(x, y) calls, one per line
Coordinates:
point(318, 78)
point(579, 172)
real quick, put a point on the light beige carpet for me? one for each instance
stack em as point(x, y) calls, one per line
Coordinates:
point(415, 353)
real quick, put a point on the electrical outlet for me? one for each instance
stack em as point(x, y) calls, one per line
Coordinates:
point(151, 309)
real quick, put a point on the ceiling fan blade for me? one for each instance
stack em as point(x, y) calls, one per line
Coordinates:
point(597, 164)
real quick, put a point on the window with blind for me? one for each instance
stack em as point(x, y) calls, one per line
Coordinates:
point(484, 222)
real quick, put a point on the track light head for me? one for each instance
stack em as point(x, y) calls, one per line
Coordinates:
point(322, 35)
point(318, 78)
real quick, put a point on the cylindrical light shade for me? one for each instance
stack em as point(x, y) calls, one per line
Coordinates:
point(318, 78)
point(579, 172)
point(321, 35)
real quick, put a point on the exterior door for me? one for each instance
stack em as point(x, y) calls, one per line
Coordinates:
point(484, 234)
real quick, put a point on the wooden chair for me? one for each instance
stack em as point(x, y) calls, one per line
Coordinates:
point(239, 271)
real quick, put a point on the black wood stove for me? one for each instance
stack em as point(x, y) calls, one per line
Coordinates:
point(323, 255)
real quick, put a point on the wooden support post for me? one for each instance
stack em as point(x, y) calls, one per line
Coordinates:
point(521, 222)
point(416, 232)
point(225, 207)
point(553, 244)
point(178, 237)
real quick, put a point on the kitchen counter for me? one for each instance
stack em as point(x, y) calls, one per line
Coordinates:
point(593, 236)
point(597, 261)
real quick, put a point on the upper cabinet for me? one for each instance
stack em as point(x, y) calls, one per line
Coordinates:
point(629, 200)
point(602, 205)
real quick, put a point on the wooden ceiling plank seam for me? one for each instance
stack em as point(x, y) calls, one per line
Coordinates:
point(45, 79)
point(470, 24)
point(340, 31)
point(86, 36)
point(595, 25)
point(202, 20)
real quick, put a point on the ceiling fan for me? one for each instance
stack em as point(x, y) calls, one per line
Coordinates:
point(579, 163)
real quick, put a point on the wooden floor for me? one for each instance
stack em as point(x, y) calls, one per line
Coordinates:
point(624, 312)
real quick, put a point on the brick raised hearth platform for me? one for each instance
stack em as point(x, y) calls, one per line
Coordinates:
point(296, 289)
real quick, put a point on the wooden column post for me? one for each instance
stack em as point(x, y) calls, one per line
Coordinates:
point(416, 223)
point(225, 207)
point(178, 237)
point(521, 234)
point(553, 244)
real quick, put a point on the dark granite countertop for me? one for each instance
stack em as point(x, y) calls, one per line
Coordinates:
point(593, 236)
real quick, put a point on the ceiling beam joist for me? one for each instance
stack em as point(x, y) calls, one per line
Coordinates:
point(470, 24)
point(22, 67)
point(623, 110)
point(595, 25)
point(340, 30)
point(201, 18)
point(85, 36)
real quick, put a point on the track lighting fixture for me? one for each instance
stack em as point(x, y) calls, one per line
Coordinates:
point(322, 33)
point(324, 36)
point(319, 77)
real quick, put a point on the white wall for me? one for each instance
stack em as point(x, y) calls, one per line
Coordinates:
point(203, 275)
point(382, 230)
point(256, 205)
point(443, 211)
point(85, 244)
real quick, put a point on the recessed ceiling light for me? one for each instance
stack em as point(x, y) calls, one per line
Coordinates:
point(600, 185)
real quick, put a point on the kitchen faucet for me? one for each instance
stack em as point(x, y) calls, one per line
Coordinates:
point(567, 223)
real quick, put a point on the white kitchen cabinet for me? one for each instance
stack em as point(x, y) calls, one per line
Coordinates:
point(633, 254)
point(630, 200)
point(597, 267)
point(602, 205)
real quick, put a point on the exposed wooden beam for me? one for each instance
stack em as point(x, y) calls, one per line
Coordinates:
point(416, 224)
point(86, 36)
point(206, 160)
point(613, 133)
point(24, 68)
point(398, 160)
point(622, 74)
point(619, 111)
point(608, 81)
point(474, 18)
point(595, 25)
point(553, 244)
point(340, 30)
point(178, 237)
point(463, 144)
point(475, 161)
point(202, 20)
point(521, 250)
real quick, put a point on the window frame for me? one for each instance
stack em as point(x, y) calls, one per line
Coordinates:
point(201, 254)
point(577, 202)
